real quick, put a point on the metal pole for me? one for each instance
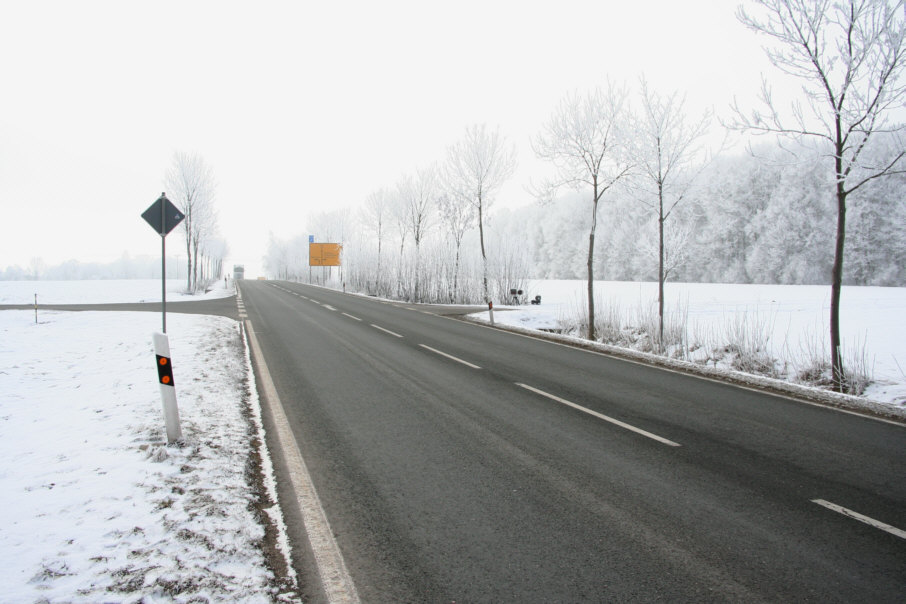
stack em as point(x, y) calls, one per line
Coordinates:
point(163, 260)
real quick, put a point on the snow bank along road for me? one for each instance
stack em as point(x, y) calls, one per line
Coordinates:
point(460, 463)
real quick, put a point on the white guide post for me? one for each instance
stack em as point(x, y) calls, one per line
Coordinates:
point(491, 311)
point(167, 389)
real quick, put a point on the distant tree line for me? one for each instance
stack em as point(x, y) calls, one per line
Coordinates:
point(125, 267)
point(190, 185)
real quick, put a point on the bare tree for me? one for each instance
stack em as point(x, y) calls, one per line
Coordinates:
point(475, 169)
point(849, 56)
point(418, 194)
point(400, 220)
point(375, 214)
point(204, 228)
point(667, 154)
point(216, 250)
point(37, 266)
point(583, 142)
point(457, 215)
point(190, 183)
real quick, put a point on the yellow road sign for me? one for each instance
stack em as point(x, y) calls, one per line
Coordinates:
point(324, 254)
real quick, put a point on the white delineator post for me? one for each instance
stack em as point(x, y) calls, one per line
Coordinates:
point(491, 311)
point(167, 389)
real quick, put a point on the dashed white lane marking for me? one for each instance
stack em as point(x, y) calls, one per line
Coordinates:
point(606, 418)
point(329, 307)
point(240, 306)
point(861, 518)
point(335, 578)
point(450, 356)
point(346, 314)
point(392, 333)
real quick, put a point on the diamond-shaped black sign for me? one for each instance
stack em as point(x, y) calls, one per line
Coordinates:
point(172, 216)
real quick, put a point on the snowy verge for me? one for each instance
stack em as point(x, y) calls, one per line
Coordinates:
point(96, 506)
point(811, 394)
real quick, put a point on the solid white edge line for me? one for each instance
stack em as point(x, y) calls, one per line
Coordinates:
point(606, 418)
point(386, 330)
point(861, 518)
point(450, 356)
point(335, 578)
point(346, 314)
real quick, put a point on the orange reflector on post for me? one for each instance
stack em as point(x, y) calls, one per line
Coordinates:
point(164, 370)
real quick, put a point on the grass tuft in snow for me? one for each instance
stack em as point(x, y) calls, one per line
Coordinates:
point(742, 343)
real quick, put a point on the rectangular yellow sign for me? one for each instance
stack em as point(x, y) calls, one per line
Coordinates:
point(324, 254)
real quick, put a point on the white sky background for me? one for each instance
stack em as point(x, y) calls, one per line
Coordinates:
point(303, 107)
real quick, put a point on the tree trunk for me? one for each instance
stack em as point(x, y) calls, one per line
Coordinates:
point(188, 261)
point(399, 271)
point(194, 286)
point(417, 267)
point(660, 269)
point(484, 256)
point(379, 289)
point(591, 262)
point(455, 274)
point(836, 290)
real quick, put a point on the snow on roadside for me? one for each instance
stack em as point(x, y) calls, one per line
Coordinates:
point(96, 506)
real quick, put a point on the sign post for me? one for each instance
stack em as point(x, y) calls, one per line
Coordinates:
point(163, 217)
point(167, 387)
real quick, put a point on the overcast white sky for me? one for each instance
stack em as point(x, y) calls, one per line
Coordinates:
point(302, 107)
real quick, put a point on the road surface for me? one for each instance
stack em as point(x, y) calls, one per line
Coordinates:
point(459, 463)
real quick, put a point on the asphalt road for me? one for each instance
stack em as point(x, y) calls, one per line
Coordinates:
point(461, 463)
point(225, 307)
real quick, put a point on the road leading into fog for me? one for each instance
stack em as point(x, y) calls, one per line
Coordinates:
point(459, 463)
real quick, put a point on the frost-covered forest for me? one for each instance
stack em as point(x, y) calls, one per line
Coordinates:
point(750, 219)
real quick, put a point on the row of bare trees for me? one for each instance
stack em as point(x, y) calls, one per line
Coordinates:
point(597, 141)
point(191, 185)
point(452, 197)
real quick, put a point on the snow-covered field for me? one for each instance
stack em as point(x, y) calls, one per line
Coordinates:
point(96, 507)
point(104, 292)
point(795, 318)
